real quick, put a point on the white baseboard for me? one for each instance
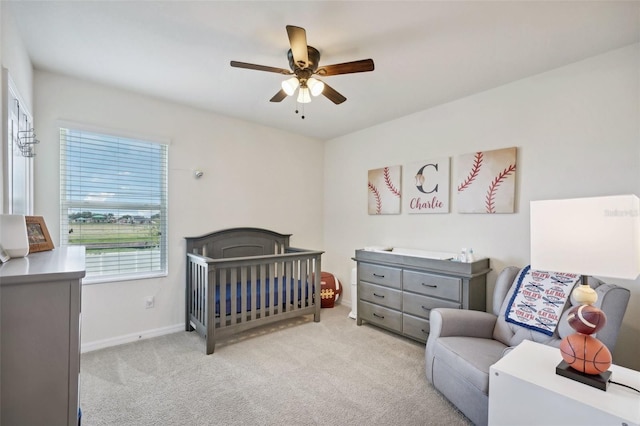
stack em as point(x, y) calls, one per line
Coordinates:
point(120, 340)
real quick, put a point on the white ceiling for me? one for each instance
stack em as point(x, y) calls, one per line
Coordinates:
point(426, 52)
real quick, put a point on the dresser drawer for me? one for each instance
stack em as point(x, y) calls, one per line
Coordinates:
point(382, 275)
point(380, 295)
point(421, 306)
point(414, 327)
point(432, 285)
point(381, 316)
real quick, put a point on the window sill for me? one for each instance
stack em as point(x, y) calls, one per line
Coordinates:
point(121, 278)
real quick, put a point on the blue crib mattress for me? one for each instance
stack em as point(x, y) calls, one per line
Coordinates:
point(278, 295)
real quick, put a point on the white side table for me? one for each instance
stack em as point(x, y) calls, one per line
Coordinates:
point(524, 389)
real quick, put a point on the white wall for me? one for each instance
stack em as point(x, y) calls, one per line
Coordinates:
point(13, 57)
point(577, 133)
point(253, 176)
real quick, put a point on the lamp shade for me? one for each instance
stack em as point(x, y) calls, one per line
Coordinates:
point(290, 85)
point(588, 236)
point(13, 235)
point(315, 86)
point(303, 95)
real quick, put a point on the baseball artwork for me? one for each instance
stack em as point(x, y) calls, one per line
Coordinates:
point(384, 190)
point(486, 181)
point(426, 186)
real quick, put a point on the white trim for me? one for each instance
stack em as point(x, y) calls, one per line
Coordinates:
point(101, 279)
point(128, 338)
point(7, 156)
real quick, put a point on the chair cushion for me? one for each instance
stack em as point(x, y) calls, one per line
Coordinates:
point(471, 357)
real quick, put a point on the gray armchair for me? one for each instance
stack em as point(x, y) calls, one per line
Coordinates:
point(462, 344)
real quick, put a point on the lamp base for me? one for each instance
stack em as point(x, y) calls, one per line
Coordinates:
point(599, 381)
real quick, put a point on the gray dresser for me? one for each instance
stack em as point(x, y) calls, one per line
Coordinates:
point(397, 292)
point(40, 338)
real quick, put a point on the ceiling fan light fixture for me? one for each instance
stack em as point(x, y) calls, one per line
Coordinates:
point(290, 85)
point(315, 86)
point(304, 97)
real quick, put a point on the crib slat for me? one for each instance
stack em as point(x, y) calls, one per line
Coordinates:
point(304, 283)
point(221, 284)
point(292, 281)
point(272, 280)
point(233, 295)
point(243, 293)
point(255, 277)
point(283, 287)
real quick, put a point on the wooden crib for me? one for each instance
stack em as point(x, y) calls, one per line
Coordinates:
point(242, 278)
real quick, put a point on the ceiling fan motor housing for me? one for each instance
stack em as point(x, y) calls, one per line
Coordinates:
point(312, 62)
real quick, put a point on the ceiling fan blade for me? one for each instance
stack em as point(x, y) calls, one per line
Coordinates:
point(363, 65)
point(298, 42)
point(278, 97)
point(237, 64)
point(333, 95)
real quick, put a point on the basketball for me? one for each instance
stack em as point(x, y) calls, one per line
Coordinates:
point(331, 289)
point(585, 353)
point(586, 319)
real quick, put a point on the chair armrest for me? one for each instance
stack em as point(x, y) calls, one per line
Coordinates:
point(445, 322)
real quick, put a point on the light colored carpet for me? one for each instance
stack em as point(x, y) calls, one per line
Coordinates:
point(295, 372)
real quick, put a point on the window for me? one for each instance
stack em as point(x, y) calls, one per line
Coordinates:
point(113, 199)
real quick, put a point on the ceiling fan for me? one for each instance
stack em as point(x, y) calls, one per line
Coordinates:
point(304, 63)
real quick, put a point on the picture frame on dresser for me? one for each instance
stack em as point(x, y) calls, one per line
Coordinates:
point(38, 234)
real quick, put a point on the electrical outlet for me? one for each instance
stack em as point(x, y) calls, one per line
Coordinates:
point(149, 302)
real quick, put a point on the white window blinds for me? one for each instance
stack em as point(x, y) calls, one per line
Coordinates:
point(113, 198)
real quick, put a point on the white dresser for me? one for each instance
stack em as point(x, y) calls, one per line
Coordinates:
point(40, 338)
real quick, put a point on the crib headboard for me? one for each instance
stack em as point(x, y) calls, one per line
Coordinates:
point(238, 242)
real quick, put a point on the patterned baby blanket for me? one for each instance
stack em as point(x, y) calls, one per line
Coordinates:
point(538, 299)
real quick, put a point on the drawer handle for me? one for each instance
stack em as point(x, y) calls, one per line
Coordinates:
point(430, 285)
point(424, 331)
point(425, 308)
point(378, 275)
point(379, 295)
point(378, 316)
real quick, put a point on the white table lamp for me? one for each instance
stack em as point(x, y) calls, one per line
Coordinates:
point(13, 235)
point(587, 236)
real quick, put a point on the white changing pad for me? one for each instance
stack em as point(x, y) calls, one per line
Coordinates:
point(439, 255)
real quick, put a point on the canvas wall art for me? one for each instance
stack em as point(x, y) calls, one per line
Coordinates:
point(486, 181)
point(384, 188)
point(426, 186)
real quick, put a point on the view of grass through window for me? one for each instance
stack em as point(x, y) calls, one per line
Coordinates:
point(108, 232)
